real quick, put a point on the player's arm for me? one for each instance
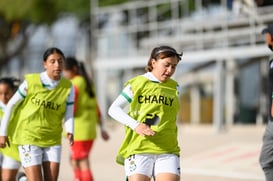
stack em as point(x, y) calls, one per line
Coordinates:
point(69, 116)
point(16, 99)
point(116, 111)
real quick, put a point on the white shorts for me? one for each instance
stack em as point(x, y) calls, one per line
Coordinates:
point(10, 163)
point(31, 155)
point(151, 165)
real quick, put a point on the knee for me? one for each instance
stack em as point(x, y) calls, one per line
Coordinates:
point(74, 163)
point(262, 161)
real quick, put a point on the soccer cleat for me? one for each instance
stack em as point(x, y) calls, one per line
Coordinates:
point(21, 176)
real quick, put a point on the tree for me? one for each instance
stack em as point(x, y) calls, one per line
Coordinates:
point(17, 15)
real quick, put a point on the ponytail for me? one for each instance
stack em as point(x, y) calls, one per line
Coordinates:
point(89, 83)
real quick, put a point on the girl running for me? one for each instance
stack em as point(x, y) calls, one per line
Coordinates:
point(150, 148)
point(40, 103)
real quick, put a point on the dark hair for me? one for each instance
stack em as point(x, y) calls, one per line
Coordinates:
point(162, 52)
point(268, 29)
point(70, 63)
point(13, 83)
point(52, 50)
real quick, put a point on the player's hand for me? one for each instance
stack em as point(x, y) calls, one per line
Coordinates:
point(4, 140)
point(105, 136)
point(70, 138)
point(144, 130)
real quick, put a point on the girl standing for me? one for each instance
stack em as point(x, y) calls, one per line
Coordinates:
point(150, 148)
point(40, 103)
point(10, 156)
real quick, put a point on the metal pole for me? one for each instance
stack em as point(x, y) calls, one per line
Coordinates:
point(218, 97)
point(101, 75)
point(93, 29)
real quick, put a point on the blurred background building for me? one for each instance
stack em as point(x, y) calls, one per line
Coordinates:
point(223, 71)
point(224, 67)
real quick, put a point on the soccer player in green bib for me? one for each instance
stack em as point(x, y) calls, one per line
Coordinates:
point(86, 117)
point(150, 148)
point(40, 105)
point(10, 156)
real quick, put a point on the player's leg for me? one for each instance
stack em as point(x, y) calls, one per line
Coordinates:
point(51, 162)
point(9, 174)
point(167, 168)
point(31, 159)
point(76, 169)
point(266, 156)
point(80, 160)
point(139, 167)
point(34, 173)
point(51, 170)
point(86, 174)
point(167, 177)
point(138, 177)
point(10, 168)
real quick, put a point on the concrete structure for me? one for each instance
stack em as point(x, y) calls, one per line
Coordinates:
point(214, 36)
point(224, 52)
